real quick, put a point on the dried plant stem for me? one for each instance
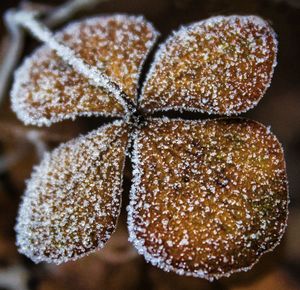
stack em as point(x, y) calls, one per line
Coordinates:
point(63, 12)
point(13, 50)
point(9, 159)
point(10, 131)
point(24, 135)
point(97, 78)
point(37, 141)
point(14, 278)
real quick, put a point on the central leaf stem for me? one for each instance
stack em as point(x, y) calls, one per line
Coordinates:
point(96, 77)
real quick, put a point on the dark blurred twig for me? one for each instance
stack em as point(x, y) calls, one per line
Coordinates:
point(22, 135)
point(12, 47)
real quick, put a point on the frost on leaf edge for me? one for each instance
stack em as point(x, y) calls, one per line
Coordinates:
point(18, 227)
point(139, 244)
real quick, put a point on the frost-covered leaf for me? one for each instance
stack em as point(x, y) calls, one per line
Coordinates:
point(222, 65)
point(72, 200)
point(47, 89)
point(208, 197)
point(117, 45)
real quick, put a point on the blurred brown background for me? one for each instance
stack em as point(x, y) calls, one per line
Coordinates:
point(118, 266)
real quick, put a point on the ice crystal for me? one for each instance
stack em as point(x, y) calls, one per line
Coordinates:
point(73, 198)
point(48, 90)
point(221, 65)
point(203, 213)
point(208, 198)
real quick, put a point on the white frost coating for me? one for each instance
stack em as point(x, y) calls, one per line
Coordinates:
point(35, 116)
point(72, 29)
point(56, 223)
point(72, 201)
point(154, 249)
point(53, 86)
point(96, 77)
point(56, 16)
point(190, 98)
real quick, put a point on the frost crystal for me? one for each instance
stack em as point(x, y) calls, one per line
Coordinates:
point(217, 224)
point(72, 200)
point(208, 197)
point(222, 65)
point(47, 89)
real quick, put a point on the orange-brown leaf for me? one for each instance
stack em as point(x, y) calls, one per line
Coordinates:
point(72, 200)
point(48, 90)
point(209, 197)
point(221, 65)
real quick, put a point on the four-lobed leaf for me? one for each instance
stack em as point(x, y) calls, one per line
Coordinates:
point(208, 197)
